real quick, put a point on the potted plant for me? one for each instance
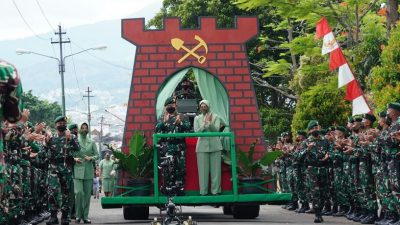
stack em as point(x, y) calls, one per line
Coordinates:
point(251, 172)
point(138, 164)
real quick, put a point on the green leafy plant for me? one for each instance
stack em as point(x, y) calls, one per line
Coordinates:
point(248, 165)
point(138, 163)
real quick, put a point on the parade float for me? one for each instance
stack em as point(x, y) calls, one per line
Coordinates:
point(216, 60)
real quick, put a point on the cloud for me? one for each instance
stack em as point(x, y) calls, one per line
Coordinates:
point(69, 13)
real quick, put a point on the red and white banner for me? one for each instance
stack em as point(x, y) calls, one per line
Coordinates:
point(338, 60)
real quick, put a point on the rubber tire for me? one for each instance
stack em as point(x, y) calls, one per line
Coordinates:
point(245, 211)
point(227, 209)
point(136, 212)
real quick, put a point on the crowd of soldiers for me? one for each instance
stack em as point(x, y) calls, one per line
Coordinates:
point(38, 172)
point(351, 171)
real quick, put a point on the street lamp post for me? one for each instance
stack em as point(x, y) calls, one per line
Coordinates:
point(61, 66)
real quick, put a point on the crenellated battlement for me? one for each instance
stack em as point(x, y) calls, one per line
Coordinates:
point(133, 30)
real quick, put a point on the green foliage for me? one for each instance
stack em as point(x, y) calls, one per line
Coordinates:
point(275, 121)
point(249, 166)
point(138, 163)
point(384, 81)
point(41, 110)
point(323, 102)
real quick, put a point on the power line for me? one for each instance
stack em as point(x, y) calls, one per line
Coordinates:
point(105, 61)
point(44, 15)
point(26, 23)
point(76, 77)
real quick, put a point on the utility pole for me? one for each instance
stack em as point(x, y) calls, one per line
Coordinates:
point(61, 66)
point(101, 137)
point(88, 97)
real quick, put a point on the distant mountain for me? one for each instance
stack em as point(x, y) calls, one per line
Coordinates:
point(107, 73)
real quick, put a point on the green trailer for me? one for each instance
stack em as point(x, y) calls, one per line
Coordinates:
point(233, 201)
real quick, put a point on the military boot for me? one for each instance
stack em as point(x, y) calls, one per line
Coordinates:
point(363, 214)
point(318, 216)
point(304, 208)
point(341, 211)
point(326, 209)
point(311, 210)
point(370, 219)
point(350, 211)
point(383, 219)
point(293, 206)
point(330, 212)
point(53, 219)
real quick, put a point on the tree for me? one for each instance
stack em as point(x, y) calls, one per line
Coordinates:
point(41, 110)
point(384, 81)
point(323, 102)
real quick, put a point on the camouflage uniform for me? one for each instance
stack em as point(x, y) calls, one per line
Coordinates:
point(316, 171)
point(337, 158)
point(60, 154)
point(10, 92)
point(175, 147)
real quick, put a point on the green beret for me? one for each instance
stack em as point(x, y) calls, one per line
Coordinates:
point(60, 118)
point(341, 128)
point(357, 118)
point(72, 126)
point(169, 100)
point(382, 114)
point(370, 117)
point(312, 124)
point(394, 105)
point(301, 132)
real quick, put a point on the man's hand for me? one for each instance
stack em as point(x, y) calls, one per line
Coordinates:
point(68, 134)
point(178, 120)
point(25, 116)
point(166, 116)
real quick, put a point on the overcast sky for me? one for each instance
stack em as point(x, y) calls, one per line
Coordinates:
point(41, 16)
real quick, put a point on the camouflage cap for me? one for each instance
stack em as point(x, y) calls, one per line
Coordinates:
point(72, 126)
point(357, 118)
point(312, 124)
point(394, 105)
point(60, 118)
point(169, 100)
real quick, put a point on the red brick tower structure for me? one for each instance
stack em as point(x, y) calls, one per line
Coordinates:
point(220, 52)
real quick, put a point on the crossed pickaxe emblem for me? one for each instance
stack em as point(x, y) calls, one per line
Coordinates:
point(178, 44)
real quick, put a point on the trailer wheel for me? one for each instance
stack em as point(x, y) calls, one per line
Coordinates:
point(227, 209)
point(245, 211)
point(136, 212)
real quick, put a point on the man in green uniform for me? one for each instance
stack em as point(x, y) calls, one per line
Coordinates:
point(300, 171)
point(208, 149)
point(392, 150)
point(316, 159)
point(173, 122)
point(11, 91)
point(84, 173)
point(61, 148)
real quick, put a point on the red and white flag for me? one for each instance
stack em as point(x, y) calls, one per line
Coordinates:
point(338, 60)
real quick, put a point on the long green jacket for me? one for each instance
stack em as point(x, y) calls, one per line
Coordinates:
point(85, 170)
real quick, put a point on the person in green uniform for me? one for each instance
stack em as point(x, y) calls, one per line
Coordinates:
point(11, 91)
point(84, 173)
point(208, 149)
point(60, 150)
point(106, 166)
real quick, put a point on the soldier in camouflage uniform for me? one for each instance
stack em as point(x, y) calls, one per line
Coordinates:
point(173, 122)
point(380, 169)
point(299, 171)
point(367, 186)
point(352, 151)
point(60, 148)
point(10, 93)
point(330, 204)
point(392, 150)
point(316, 159)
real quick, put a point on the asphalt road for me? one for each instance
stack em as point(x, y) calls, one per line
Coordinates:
point(269, 214)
